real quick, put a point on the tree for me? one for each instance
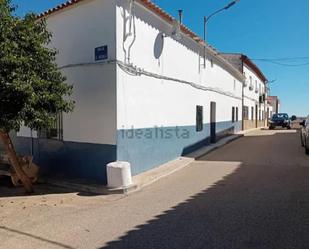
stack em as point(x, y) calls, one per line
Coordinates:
point(32, 89)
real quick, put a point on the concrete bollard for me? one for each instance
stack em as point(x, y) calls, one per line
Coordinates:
point(119, 175)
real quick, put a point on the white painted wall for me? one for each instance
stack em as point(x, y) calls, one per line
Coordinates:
point(77, 31)
point(251, 97)
point(94, 116)
point(141, 101)
point(271, 111)
point(145, 102)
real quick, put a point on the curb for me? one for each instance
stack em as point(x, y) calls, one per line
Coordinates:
point(167, 169)
point(221, 145)
point(144, 179)
point(92, 188)
point(212, 147)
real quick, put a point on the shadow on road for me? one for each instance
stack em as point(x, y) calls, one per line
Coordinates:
point(264, 203)
point(7, 189)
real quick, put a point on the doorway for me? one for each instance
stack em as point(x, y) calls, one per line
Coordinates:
point(256, 116)
point(213, 138)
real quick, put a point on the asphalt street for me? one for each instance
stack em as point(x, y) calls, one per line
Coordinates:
point(253, 194)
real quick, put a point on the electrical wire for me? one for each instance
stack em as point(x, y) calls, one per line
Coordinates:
point(286, 65)
point(136, 71)
point(292, 61)
point(282, 59)
point(139, 71)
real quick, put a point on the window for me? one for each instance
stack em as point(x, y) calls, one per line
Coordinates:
point(56, 131)
point(199, 118)
point(236, 114)
point(246, 80)
point(233, 114)
point(212, 63)
point(256, 85)
point(260, 115)
point(246, 112)
point(252, 113)
point(234, 85)
point(251, 84)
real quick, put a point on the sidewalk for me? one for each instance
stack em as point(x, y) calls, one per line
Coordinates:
point(144, 179)
point(169, 168)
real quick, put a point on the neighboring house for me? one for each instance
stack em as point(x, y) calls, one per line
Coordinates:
point(142, 92)
point(274, 103)
point(254, 92)
point(270, 110)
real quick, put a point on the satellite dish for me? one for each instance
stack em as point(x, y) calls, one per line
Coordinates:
point(176, 33)
point(159, 45)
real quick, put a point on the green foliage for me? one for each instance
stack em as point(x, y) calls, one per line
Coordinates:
point(32, 89)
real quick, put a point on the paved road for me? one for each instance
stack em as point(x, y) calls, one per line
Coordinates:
point(252, 193)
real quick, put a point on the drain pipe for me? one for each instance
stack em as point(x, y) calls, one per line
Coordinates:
point(132, 23)
point(242, 98)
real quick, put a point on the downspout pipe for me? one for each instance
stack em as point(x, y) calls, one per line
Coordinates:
point(242, 97)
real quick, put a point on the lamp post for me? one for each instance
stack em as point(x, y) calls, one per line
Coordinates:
point(206, 20)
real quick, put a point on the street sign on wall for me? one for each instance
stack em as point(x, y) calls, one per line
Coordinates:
point(101, 53)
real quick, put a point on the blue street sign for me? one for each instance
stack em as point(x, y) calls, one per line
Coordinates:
point(101, 53)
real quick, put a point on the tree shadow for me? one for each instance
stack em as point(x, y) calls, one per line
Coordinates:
point(7, 189)
point(264, 203)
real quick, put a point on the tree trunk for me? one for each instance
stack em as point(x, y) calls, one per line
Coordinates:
point(10, 150)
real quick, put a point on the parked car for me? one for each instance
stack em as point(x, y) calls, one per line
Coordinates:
point(280, 120)
point(304, 135)
point(293, 118)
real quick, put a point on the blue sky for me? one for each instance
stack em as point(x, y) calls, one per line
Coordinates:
point(257, 28)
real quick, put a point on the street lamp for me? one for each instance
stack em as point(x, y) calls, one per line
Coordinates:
point(206, 20)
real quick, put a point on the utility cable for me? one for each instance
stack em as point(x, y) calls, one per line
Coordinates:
point(286, 61)
point(284, 64)
point(136, 71)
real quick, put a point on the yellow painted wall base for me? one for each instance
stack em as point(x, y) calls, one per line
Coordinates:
point(251, 124)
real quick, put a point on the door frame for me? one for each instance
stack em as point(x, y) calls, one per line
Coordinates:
point(213, 122)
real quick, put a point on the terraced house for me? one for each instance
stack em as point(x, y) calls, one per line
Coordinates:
point(255, 107)
point(143, 92)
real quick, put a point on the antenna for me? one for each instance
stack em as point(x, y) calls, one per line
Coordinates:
point(180, 13)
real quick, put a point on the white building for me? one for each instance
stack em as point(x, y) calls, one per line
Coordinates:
point(255, 109)
point(142, 91)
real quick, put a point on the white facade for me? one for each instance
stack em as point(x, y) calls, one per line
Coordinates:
point(173, 103)
point(254, 88)
point(254, 91)
point(148, 81)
